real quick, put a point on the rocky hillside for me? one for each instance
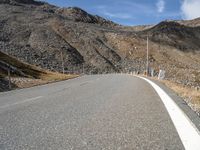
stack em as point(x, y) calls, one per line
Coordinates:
point(45, 35)
point(78, 15)
point(174, 34)
point(24, 75)
point(190, 23)
point(32, 32)
point(19, 2)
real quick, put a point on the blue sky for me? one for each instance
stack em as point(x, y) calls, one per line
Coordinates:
point(136, 12)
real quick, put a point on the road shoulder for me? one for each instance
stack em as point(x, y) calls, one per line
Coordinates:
point(181, 103)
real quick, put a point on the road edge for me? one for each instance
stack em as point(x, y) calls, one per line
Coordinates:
point(188, 132)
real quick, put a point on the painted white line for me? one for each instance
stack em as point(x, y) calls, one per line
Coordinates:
point(188, 133)
point(21, 102)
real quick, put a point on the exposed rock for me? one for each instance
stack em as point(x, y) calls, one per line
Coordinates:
point(37, 32)
point(190, 23)
point(174, 34)
point(15, 2)
point(79, 15)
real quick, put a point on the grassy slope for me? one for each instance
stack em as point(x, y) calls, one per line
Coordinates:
point(31, 72)
point(190, 95)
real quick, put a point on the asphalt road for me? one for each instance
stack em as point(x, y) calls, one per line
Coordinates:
point(90, 112)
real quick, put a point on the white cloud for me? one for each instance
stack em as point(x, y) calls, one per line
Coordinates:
point(136, 8)
point(190, 9)
point(113, 14)
point(160, 6)
point(117, 15)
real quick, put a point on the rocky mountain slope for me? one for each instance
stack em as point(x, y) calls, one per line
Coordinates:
point(24, 75)
point(190, 23)
point(45, 35)
point(174, 34)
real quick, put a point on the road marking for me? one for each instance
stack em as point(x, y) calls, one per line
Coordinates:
point(188, 133)
point(89, 81)
point(84, 83)
point(21, 102)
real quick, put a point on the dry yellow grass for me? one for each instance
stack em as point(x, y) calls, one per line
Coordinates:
point(34, 75)
point(55, 76)
point(33, 71)
point(44, 79)
point(190, 95)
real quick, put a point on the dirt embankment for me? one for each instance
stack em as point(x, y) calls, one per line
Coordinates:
point(24, 75)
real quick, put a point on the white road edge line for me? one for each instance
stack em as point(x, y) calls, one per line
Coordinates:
point(188, 133)
point(21, 102)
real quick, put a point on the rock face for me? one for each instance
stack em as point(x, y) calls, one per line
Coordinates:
point(79, 15)
point(17, 2)
point(190, 23)
point(45, 35)
point(175, 34)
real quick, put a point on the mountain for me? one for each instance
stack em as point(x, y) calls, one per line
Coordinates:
point(31, 32)
point(190, 23)
point(47, 36)
point(18, 2)
point(174, 34)
point(24, 75)
point(79, 15)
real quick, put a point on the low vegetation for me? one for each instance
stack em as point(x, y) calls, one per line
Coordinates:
point(190, 95)
point(25, 75)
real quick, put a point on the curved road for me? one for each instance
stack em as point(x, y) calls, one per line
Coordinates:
point(90, 112)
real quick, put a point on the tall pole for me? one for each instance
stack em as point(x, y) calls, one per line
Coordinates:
point(63, 68)
point(147, 69)
point(9, 80)
point(83, 68)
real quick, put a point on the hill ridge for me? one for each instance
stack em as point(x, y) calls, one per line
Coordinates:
point(48, 36)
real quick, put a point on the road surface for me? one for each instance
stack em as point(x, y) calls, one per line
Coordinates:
point(90, 112)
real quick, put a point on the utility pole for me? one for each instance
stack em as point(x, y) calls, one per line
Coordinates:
point(62, 59)
point(83, 69)
point(147, 67)
point(9, 80)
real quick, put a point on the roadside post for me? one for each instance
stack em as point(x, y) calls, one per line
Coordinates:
point(152, 72)
point(147, 67)
point(83, 69)
point(9, 80)
point(161, 74)
point(62, 59)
